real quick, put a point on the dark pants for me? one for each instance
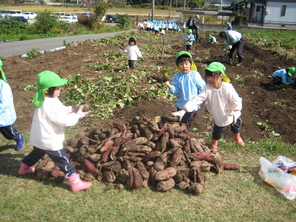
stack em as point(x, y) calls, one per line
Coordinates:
point(276, 80)
point(188, 47)
point(131, 64)
point(218, 130)
point(239, 47)
point(9, 133)
point(60, 158)
point(195, 32)
point(186, 118)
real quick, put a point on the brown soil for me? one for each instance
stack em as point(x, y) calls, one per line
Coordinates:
point(261, 102)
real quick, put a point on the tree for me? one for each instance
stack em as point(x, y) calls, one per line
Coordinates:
point(100, 10)
point(196, 3)
point(45, 22)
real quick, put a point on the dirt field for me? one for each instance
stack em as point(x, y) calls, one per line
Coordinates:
point(271, 106)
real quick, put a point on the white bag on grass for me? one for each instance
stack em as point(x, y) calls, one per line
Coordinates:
point(282, 181)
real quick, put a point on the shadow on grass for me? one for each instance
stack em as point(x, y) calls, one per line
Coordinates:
point(10, 163)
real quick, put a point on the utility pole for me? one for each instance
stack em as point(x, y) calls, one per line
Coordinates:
point(153, 9)
point(170, 8)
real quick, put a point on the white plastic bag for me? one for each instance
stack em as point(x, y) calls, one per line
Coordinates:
point(282, 181)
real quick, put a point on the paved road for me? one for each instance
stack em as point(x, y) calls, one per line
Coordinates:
point(8, 49)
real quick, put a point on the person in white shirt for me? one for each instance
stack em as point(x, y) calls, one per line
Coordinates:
point(234, 40)
point(133, 52)
point(222, 102)
point(48, 126)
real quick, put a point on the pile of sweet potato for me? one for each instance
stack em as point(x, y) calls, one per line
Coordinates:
point(141, 153)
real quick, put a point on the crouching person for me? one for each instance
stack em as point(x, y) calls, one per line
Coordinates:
point(47, 131)
point(222, 102)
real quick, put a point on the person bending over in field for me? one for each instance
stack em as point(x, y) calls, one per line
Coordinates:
point(283, 76)
point(222, 102)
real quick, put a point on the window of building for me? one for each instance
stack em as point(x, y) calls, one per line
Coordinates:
point(283, 12)
point(258, 7)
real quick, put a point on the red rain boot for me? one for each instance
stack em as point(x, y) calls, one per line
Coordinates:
point(214, 145)
point(24, 169)
point(76, 183)
point(239, 140)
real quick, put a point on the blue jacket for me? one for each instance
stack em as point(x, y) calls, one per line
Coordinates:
point(7, 111)
point(186, 86)
point(283, 74)
point(189, 38)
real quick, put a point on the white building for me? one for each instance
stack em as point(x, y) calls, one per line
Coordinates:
point(273, 12)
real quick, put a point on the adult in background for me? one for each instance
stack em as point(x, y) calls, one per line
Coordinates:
point(234, 41)
point(195, 29)
point(229, 25)
point(189, 23)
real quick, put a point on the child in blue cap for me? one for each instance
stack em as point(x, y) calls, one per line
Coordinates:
point(48, 126)
point(7, 112)
point(222, 102)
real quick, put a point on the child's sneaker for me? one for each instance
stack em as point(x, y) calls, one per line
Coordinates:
point(20, 143)
point(239, 64)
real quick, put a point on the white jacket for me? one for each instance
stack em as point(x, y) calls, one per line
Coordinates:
point(49, 122)
point(220, 103)
point(133, 52)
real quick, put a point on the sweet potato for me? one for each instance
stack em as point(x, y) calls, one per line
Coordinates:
point(114, 166)
point(153, 126)
point(152, 173)
point(138, 180)
point(158, 165)
point(137, 141)
point(122, 176)
point(90, 167)
point(151, 156)
point(164, 141)
point(145, 132)
point(138, 148)
point(141, 167)
point(166, 174)
point(106, 145)
point(109, 176)
point(165, 185)
point(122, 140)
point(196, 189)
point(121, 126)
point(195, 146)
point(176, 157)
point(227, 166)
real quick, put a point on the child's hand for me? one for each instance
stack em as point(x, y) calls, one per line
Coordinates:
point(81, 113)
point(235, 115)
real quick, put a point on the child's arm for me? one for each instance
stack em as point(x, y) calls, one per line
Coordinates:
point(197, 100)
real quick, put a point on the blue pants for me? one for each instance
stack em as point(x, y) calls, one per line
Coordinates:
point(9, 133)
point(60, 158)
point(218, 130)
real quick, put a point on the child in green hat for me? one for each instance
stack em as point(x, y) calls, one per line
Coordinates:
point(186, 84)
point(8, 114)
point(222, 102)
point(48, 129)
point(283, 76)
point(189, 39)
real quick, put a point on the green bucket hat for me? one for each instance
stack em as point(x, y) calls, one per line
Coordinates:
point(2, 73)
point(45, 80)
point(189, 31)
point(193, 67)
point(291, 71)
point(218, 66)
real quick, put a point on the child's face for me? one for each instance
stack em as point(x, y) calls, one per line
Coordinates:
point(131, 43)
point(214, 79)
point(57, 92)
point(185, 66)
